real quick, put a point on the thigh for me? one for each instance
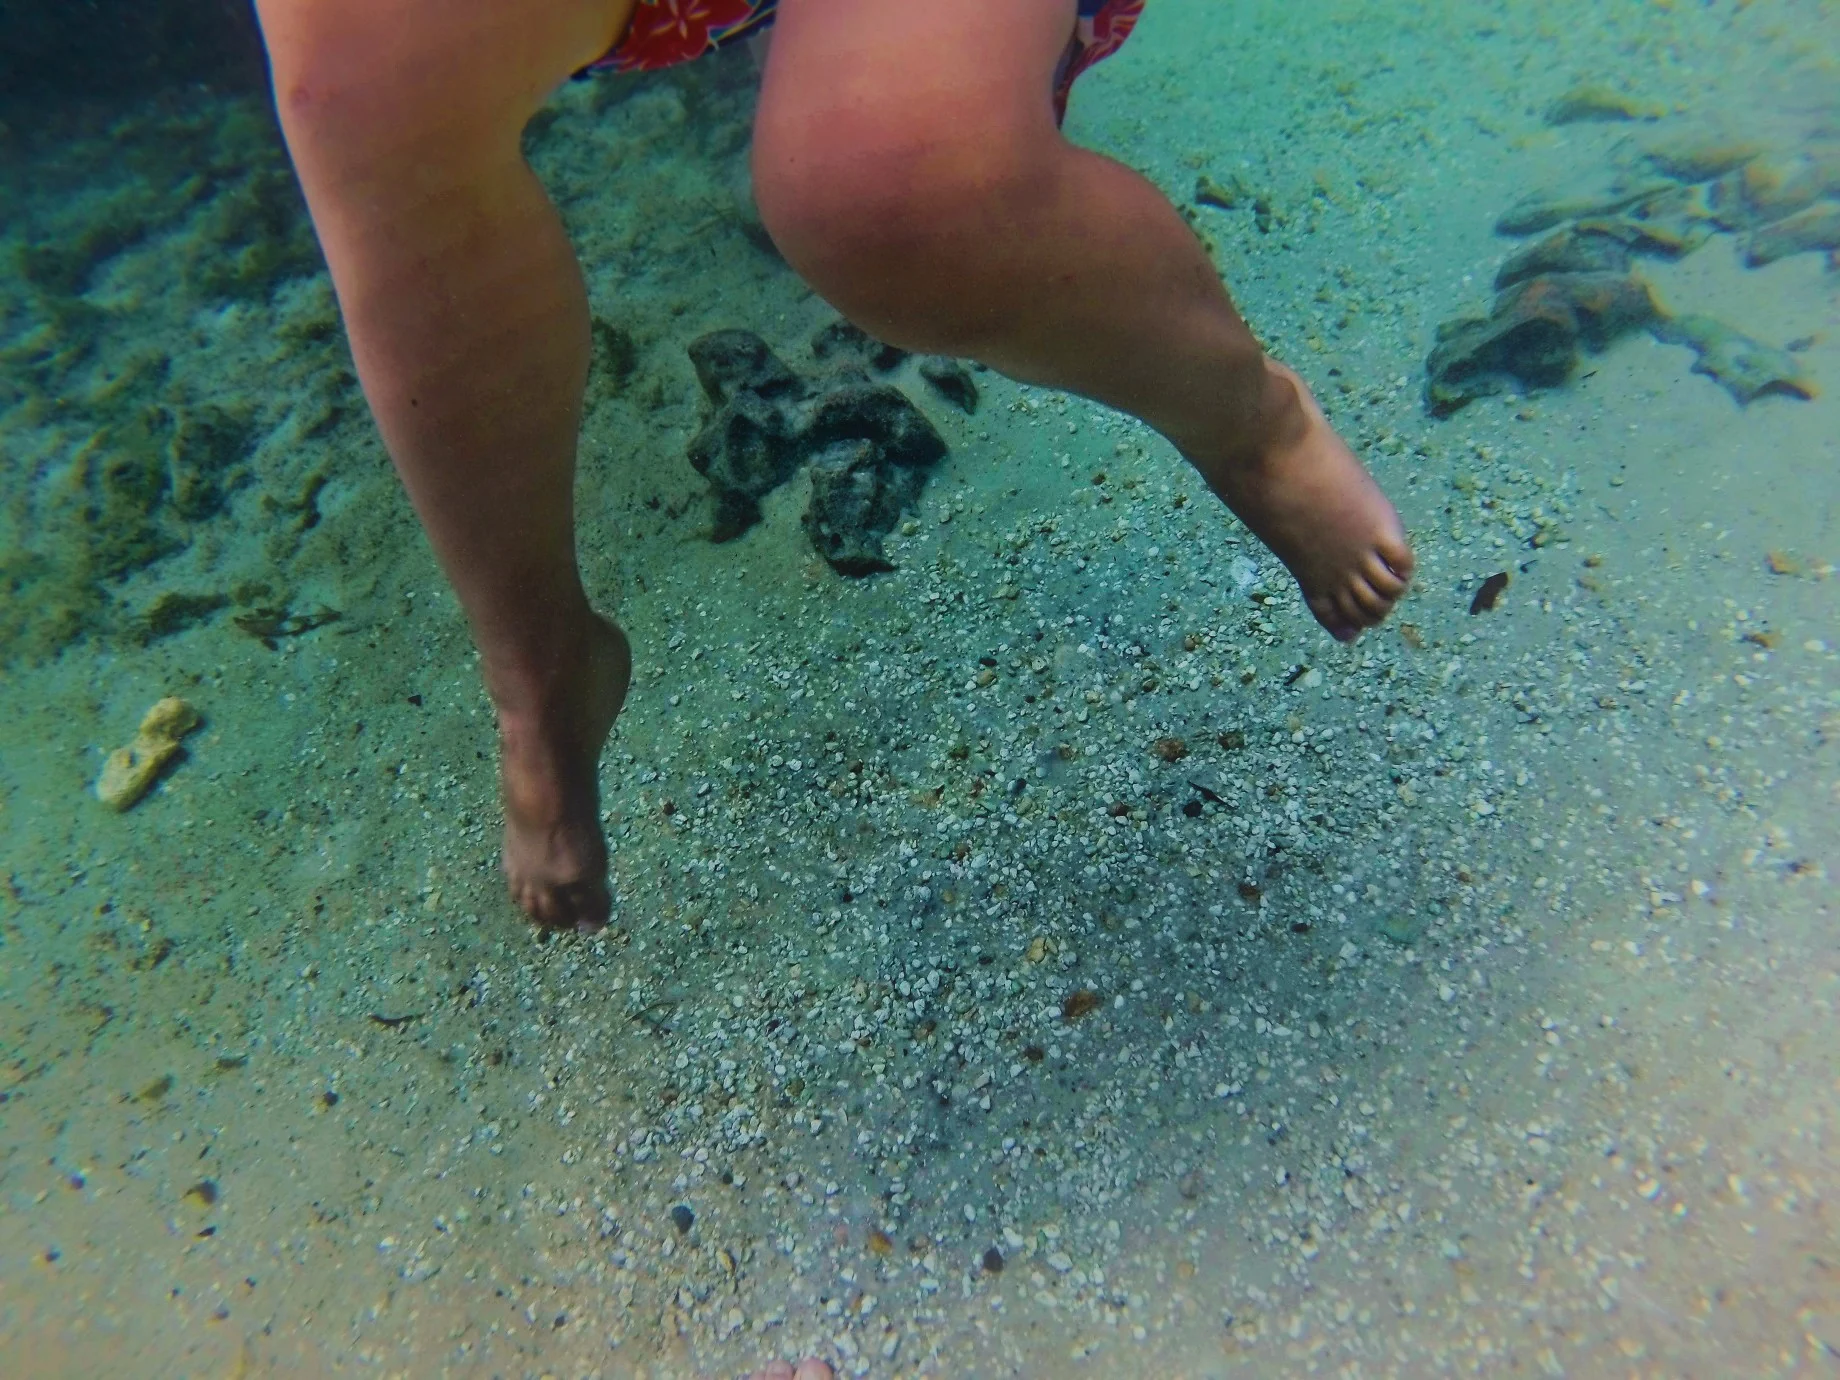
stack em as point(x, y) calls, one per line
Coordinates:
point(404, 64)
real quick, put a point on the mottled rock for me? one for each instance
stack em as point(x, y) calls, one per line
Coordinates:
point(1541, 210)
point(856, 499)
point(869, 447)
point(1768, 189)
point(1532, 336)
point(878, 413)
point(1568, 249)
point(1669, 225)
point(1697, 155)
point(1746, 368)
point(1596, 101)
point(731, 362)
point(951, 380)
point(1807, 231)
point(749, 447)
point(842, 340)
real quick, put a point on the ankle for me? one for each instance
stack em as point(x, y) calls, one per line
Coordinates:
point(552, 672)
point(1263, 413)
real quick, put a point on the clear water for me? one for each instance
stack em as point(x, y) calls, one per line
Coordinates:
point(1464, 997)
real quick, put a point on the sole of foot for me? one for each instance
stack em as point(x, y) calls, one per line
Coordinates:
point(555, 858)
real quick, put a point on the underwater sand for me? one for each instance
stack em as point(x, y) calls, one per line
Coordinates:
point(1460, 1002)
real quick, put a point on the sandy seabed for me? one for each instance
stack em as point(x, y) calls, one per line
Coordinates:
point(1052, 958)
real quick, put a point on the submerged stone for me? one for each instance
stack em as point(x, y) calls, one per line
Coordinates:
point(736, 361)
point(1532, 336)
point(1568, 249)
point(1765, 190)
point(1808, 231)
point(1596, 101)
point(1541, 210)
point(843, 340)
point(951, 380)
point(878, 413)
point(868, 445)
point(1697, 155)
point(856, 499)
point(1746, 368)
point(749, 447)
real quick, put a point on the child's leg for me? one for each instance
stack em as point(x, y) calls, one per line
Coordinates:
point(469, 325)
point(908, 165)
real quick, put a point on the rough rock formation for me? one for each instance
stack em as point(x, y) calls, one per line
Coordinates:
point(868, 446)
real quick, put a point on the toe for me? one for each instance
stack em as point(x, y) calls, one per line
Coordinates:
point(1372, 604)
point(1379, 573)
point(1398, 557)
point(779, 1370)
point(588, 906)
point(811, 1368)
point(1353, 615)
point(534, 902)
point(1331, 617)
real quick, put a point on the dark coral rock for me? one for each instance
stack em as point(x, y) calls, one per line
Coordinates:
point(845, 341)
point(855, 501)
point(868, 445)
point(1699, 154)
point(879, 413)
point(748, 447)
point(731, 362)
point(1595, 101)
point(951, 380)
point(1535, 347)
point(1606, 305)
point(1667, 226)
point(1531, 338)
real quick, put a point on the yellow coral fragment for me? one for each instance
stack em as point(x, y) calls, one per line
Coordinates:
point(130, 771)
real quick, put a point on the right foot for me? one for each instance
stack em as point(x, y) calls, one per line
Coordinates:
point(1303, 493)
point(550, 738)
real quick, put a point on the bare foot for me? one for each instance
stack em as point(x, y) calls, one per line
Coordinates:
point(1301, 490)
point(811, 1368)
point(550, 738)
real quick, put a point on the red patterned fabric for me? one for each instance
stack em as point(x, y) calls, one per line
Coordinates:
point(664, 33)
point(1095, 36)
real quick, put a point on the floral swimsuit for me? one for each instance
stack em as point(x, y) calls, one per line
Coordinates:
point(664, 33)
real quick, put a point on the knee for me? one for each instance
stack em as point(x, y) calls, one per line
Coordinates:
point(355, 78)
point(331, 72)
point(898, 218)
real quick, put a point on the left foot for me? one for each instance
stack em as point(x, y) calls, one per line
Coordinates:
point(550, 739)
point(1300, 489)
